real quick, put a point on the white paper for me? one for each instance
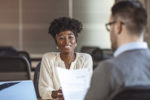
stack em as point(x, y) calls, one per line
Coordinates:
point(74, 83)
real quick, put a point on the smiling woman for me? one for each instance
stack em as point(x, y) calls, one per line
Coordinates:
point(66, 41)
point(65, 31)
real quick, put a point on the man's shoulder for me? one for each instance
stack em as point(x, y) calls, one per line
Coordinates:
point(133, 55)
point(106, 64)
point(124, 59)
point(135, 52)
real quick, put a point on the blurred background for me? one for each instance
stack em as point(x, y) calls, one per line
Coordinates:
point(24, 23)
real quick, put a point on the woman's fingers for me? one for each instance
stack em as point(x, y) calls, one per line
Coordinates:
point(60, 90)
point(59, 99)
point(59, 95)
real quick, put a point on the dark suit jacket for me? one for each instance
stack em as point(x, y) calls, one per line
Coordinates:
point(127, 69)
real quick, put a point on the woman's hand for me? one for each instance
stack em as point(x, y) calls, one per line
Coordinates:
point(57, 95)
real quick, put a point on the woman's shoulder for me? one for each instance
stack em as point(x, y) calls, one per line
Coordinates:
point(84, 55)
point(51, 55)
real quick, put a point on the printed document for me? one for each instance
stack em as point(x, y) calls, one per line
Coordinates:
point(74, 83)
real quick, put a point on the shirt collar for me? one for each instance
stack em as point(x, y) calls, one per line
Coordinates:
point(130, 46)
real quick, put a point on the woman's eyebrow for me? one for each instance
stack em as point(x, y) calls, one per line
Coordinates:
point(71, 33)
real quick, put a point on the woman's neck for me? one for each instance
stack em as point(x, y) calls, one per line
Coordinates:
point(68, 58)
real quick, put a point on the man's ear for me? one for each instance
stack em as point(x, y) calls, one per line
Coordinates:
point(119, 27)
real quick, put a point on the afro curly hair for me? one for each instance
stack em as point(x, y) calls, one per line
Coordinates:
point(65, 23)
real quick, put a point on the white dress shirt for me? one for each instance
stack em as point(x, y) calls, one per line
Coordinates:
point(48, 80)
point(130, 46)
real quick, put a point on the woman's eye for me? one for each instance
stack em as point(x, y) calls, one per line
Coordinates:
point(70, 37)
point(61, 38)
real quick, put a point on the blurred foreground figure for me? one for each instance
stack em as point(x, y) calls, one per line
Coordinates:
point(130, 65)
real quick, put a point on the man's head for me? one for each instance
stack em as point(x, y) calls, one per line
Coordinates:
point(128, 20)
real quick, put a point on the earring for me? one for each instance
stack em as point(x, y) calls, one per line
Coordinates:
point(75, 45)
point(57, 47)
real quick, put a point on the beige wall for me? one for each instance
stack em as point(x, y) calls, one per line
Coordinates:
point(94, 14)
point(24, 23)
point(146, 4)
point(147, 33)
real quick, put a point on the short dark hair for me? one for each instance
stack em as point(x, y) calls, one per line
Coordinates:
point(133, 13)
point(65, 23)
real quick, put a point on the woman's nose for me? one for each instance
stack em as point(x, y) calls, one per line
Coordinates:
point(66, 40)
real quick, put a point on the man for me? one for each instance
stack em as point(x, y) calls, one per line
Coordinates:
point(130, 65)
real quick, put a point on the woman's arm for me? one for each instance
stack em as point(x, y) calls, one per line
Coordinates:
point(45, 79)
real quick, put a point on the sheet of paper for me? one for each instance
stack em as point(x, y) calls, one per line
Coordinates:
point(74, 83)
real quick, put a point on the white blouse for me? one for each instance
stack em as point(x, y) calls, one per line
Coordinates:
point(48, 79)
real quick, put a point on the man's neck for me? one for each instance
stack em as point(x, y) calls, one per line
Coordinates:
point(128, 39)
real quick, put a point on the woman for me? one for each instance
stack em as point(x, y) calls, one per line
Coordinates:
point(65, 32)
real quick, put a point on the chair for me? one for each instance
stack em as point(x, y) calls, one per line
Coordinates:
point(36, 79)
point(88, 49)
point(14, 68)
point(35, 61)
point(133, 93)
point(25, 54)
point(107, 53)
point(8, 51)
point(97, 56)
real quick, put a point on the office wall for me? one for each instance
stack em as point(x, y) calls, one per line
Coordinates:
point(94, 14)
point(9, 33)
point(37, 15)
point(24, 23)
point(147, 33)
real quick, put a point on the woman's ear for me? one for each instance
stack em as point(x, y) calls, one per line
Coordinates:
point(56, 42)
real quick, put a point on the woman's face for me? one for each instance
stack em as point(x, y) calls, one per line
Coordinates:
point(66, 41)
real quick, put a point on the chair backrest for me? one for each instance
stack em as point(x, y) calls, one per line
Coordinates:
point(133, 93)
point(25, 54)
point(36, 79)
point(88, 49)
point(107, 53)
point(97, 56)
point(8, 51)
point(14, 68)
